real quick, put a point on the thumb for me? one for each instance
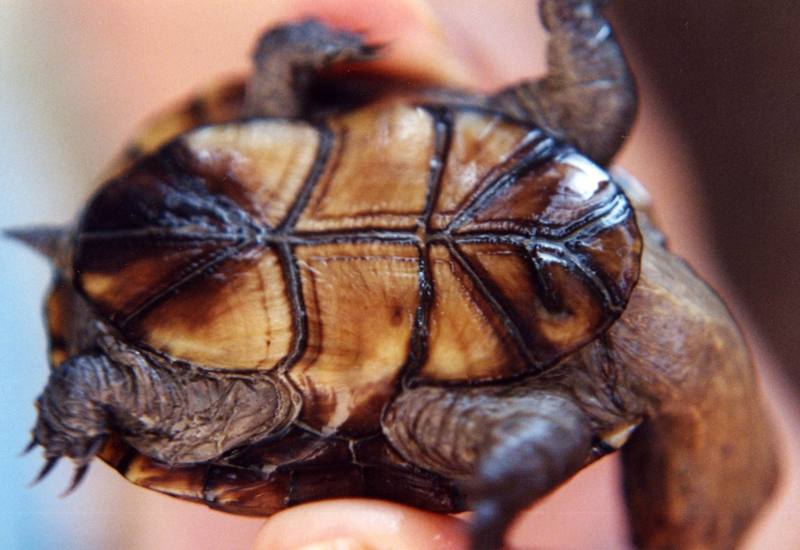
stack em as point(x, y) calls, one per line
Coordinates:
point(360, 524)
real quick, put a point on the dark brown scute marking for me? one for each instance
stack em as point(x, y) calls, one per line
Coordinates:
point(545, 300)
point(237, 317)
point(323, 158)
point(482, 345)
point(476, 154)
point(418, 349)
point(288, 259)
point(162, 195)
point(443, 138)
point(513, 296)
point(596, 250)
point(300, 316)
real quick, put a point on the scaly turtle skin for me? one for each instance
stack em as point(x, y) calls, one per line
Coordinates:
point(305, 286)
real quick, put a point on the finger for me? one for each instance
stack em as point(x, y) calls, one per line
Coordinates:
point(360, 524)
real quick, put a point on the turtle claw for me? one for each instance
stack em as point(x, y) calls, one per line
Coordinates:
point(70, 423)
point(77, 477)
point(46, 469)
point(29, 447)
point(81, 464)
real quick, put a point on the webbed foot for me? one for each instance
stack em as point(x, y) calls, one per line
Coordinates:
point(70, 423)
point(286, 59)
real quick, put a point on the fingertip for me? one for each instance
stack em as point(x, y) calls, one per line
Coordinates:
point(360, 524)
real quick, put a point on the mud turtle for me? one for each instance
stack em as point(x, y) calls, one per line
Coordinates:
point(309, 285)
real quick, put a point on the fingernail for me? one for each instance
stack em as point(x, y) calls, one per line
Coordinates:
point(337, 544)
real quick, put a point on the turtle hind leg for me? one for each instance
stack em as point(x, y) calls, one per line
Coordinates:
point(286, 59)
point(176, 416)
point(588, 96)
point(506, 450)
point(71, 423)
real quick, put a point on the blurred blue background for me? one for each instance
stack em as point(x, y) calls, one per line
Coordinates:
point(44, 175)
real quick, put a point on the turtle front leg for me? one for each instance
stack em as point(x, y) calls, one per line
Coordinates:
point(176, 416)
point(507, 449)
point(286, 60)
point(588, 96)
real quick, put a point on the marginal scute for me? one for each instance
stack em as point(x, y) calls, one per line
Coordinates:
point(298, 447)
point(361, 301)
point(185, 482)
point(378, 176)
point(388, 475)
point(269, 160)
point(246, 492)
point(308, 485)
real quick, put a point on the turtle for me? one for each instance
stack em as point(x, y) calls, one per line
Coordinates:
point(316, 283)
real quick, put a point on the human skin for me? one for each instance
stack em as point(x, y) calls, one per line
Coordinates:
point(418, 45)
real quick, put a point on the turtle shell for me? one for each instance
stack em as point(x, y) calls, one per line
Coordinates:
point(398, 243)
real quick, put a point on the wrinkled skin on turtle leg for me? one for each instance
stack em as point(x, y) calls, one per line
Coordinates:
point(286, 60)
point(703, 461)
point(588, 96)
point(175, 416)
point(507, 447)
